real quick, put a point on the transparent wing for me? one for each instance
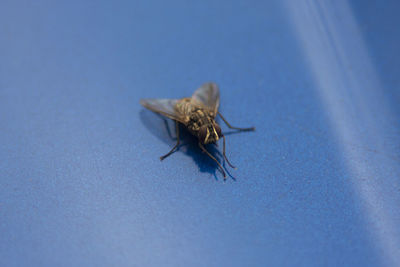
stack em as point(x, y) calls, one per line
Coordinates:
point(207, 95)
point(165, 107)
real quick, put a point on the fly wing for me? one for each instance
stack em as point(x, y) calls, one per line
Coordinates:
point(208, 96)
point(165, 107)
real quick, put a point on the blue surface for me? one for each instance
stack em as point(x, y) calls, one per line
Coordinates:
point(81, 183)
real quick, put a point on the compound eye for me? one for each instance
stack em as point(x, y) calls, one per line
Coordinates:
point(203, 134)
point(218, 130)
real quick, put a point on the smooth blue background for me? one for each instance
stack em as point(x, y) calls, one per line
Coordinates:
point(81, 183)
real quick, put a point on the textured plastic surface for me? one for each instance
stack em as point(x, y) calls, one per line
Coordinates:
point(317, 184)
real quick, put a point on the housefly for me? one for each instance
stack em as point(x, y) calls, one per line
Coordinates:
point(197, 114)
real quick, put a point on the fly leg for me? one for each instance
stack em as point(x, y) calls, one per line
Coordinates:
point(223, 152)
point(235, 128)
point(167, 127)
point(211, 156)
point(177, 142)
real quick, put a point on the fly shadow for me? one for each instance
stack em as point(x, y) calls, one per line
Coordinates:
point(161, 128)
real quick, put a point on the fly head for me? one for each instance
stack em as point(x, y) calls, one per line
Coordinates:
point(209, 133)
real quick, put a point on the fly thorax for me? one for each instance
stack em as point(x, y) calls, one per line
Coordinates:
point(196, 120)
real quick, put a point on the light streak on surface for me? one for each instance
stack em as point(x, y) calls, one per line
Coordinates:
point(353, 97)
